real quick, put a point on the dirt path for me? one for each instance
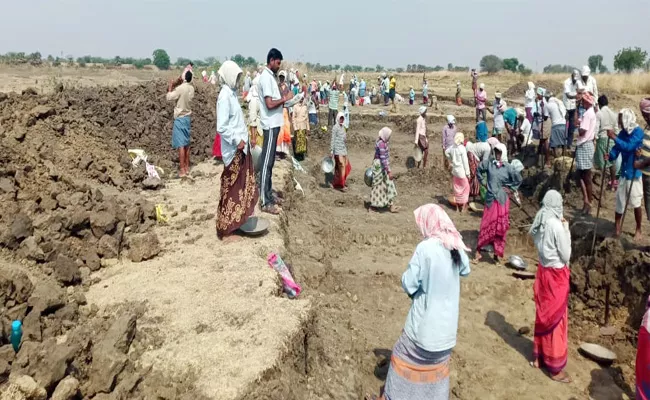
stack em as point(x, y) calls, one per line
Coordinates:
point(215, 308)
point(351, 261)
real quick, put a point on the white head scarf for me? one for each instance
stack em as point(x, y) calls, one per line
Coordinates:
point(531, 86)
point(203, 73)
point(504, 152)
point(252, 93)
point(629, 120)
point(482, 86)
point(551, 208)
point(229, 74)
point(422, 109)
point(451, 119)
point(586, 71)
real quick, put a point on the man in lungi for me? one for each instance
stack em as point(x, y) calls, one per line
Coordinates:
point(183, 94)
point(239, 192)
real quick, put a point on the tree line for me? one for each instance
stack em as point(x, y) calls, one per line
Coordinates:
point(626, 60)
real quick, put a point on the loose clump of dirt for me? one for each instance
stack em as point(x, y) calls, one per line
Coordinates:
point(67, 209)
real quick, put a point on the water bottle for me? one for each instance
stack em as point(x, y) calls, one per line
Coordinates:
point(16, 334)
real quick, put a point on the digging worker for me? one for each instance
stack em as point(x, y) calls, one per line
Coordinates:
point(628, 141)
point(271, 119)
point(239, 192)
point(552, 237)
point(644, 163)
point(585, 150)
point(183, 94)
point(569, 99)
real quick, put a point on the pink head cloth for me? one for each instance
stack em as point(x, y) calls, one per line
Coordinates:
point(434, 223)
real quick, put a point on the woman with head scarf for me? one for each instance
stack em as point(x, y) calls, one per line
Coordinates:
point(448, 133)
point(630, 188)
point(476, 154)
point(239, 193)
point(301, 128)
point(204, 76)
point(283, 145)
point(585, 150)
point(460, 171)
point(420, 361)
point(501, 178)
point(421, 140)
point(530, 101)
point(550, 232)
point(213, 78)
point(254, 129)
point(383, 191)
point(480, 97)
point(339, 151)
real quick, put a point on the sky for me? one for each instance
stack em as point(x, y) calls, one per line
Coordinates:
point(390, 33)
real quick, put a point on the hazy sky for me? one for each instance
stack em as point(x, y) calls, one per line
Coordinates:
point(342, 32)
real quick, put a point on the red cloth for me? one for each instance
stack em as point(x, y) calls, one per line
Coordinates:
point(643, 365)
point(474, 185)
point(551, 346)
point(339, 181)
point(494, 227)
point(216, 146)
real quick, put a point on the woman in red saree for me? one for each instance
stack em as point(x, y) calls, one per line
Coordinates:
point(495, 223)
point(550, 232)
point(643, 357)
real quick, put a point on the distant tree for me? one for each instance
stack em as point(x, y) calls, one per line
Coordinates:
point(251, 62)
point(647, 66)
point(182, 61)
point(50, 58)
point(210, 60)
point(458, 68)
point(347, 68)
point(595, 62)
point(521, 68)
point(399, 70)
point(379, 68)
point(450, 67)
point(438, 68)
point(368, 69)
point(558, 69)
point(603, 69)
point(629, 59)
point(161, 59)
point(491, 64)
point(511, 64)
point(336, 67)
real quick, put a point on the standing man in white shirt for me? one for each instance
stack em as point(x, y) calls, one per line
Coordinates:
point(590, 83)
point(569, 99)
point(558, 124)
point(271, 119)
point(183, 94)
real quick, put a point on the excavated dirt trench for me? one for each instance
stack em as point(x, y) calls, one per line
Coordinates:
point(350, 261)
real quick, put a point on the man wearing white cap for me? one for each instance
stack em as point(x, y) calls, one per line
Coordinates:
point(499, 123)
point(448, 133)
point(421, 135)
point(569, 100)
point(589, 82)
point(480, 97)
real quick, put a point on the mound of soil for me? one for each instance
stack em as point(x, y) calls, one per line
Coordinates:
point(517, 91)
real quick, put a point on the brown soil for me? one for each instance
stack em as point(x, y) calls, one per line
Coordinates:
point(350, 263)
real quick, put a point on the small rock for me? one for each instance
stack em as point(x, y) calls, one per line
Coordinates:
point(153, 184)
point(524, 330)
point(21, 227)
point(30, 91)
point(108, 247)
point(355, 298)
point(84, 274)
point(85, 161)
point(7, 186)
point(143, 247)
point(42, 112)
point(197, 174)
point(7, 353)
point(184, 208)
point(28, 386)
point(80, 298)
point(92, 260)
point(65, 270)
point(47, 296)
point(32, 327)
point(109, 262)
point(17, 312)
point(102, 223)
point(67, 389)
point(29, 249)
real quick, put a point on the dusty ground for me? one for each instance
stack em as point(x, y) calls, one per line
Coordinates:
point(211, 319)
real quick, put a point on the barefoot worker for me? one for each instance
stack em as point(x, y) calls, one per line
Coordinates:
point(496, 216)
point(239, 193)
point(420, 362)
point(460, 172)
point(628, 141)
point(585, 150)
point(421, 139)
point(183, 94)
point(339, 152)
point(383, 191)
point(550, 232)
point(271, 120)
